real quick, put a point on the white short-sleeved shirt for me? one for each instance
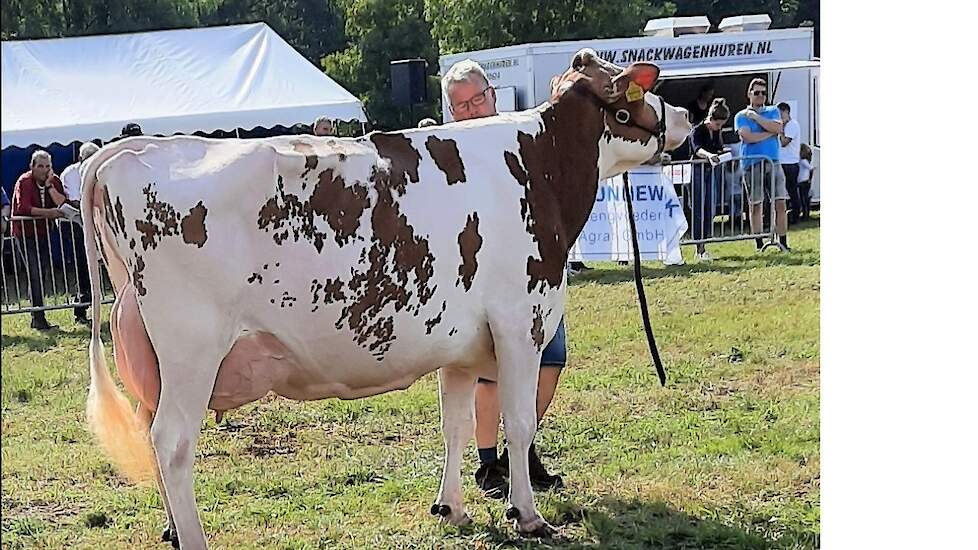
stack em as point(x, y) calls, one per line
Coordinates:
point(71, 179)
point(791, 153)
point(804, 170)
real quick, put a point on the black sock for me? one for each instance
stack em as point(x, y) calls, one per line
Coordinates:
point(783, 239)
point(487, 455)
point(759, 243)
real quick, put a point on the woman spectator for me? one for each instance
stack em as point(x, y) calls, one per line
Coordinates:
point(708, 145)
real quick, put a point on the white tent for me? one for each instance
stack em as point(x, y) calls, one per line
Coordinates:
point(219, 78)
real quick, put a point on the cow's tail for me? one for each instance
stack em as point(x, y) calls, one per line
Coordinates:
point(110, 414)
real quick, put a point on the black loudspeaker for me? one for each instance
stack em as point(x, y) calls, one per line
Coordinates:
point(409, 82)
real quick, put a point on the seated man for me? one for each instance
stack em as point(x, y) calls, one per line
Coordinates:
point(470, 96)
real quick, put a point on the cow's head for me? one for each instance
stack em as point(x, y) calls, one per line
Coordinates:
point(632, 113)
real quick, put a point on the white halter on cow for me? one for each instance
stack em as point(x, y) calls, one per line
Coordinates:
point(324, 267)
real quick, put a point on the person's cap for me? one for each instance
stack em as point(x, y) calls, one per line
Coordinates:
point(131, 129)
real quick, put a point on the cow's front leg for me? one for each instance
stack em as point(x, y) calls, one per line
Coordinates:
point(518, 359)
point(457, 409)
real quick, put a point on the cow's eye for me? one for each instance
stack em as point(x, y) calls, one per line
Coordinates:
point(623, 116)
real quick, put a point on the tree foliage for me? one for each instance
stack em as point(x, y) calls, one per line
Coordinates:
point(354, 41)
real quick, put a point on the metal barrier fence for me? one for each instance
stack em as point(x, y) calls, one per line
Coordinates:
point(716, 198)
point(44, 266)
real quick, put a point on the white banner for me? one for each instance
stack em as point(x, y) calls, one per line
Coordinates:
point(659, 219)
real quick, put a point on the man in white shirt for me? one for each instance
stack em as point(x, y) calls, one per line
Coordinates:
point(790, 154)
point(71, 177)
point(72, 236)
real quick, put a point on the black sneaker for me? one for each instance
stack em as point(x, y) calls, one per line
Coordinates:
point(491, 478)
point(540, 479)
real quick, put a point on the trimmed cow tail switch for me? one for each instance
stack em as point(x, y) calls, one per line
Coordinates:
point(110, 415)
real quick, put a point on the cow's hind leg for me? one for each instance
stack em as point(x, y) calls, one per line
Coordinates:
point(518, 361)
point(170, 533)
point(457, 387)
point(185, 390)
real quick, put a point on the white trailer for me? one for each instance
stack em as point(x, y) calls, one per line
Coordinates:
point(727, 60)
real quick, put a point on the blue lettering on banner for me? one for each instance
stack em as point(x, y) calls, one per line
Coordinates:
point(639, 193)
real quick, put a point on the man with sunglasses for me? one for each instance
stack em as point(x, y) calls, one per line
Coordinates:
point(759, 126)
point(471, 96)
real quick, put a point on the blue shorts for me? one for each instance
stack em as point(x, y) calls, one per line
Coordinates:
point(554, 355)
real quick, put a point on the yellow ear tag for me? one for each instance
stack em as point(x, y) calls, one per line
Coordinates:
point(634, 92)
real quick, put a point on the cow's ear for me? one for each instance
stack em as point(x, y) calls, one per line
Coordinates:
point(636, 80)
point(583, 59)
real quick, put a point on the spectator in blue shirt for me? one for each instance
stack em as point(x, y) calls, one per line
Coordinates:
point(6, 211)
point(759, 126)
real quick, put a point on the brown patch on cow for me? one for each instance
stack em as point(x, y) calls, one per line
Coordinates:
point(404, 159)
point(162, 220)
point(120, 217)
point(110, 219)
point(255, 277)
point(194, 230)
point(395, 255)
point(137, 275)
point(536, 331)
point(332, 292)
point(445, 154)
point(287, 300)
point(342, 206)
point(132, 244)
point(430, 324)
point(453, 332)
point(312, 159)
point(469, 243)
point(558, 169)
point(285, 214)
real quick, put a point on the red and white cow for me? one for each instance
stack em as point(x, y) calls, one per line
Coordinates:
point(324, 267)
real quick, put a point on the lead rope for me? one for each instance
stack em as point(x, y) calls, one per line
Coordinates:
point(643, 304)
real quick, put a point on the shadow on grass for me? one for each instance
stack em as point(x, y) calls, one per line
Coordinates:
point(35, 340)
point(613, 523)
point(720, 265)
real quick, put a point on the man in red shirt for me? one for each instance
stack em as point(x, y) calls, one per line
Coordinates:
point(38, 193)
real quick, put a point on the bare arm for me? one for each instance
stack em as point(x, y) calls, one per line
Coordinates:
point(58, 197)
point(747, 136)
point(773, 126)
point(704, 154)
point(49, 213)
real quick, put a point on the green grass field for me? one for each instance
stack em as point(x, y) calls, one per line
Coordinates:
point(725, 456)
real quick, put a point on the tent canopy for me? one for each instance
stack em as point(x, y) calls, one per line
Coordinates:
point(219, 78)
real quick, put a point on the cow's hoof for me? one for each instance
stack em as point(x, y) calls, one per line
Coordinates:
point(536, 528)
point(171, 537)
point(512, 513)
point(442, 510)
point(446, 513)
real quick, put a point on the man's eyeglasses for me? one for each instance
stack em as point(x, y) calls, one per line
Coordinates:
point(474, 101)
point(757, 93)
